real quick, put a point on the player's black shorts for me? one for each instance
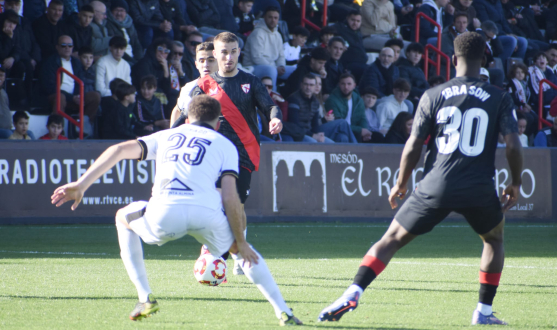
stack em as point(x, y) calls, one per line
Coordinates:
point(242, 184)
point(418, 218)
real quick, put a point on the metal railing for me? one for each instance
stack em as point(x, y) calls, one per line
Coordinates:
point(437, 64)
point(542, 120)
point(81, 99)
point(308, 22)
point(438, 50)
point(432, 21)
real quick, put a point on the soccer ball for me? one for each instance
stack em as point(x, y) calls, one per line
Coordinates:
point(210, 270)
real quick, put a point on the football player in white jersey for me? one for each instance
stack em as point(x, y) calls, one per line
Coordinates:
point(189, 159)
point(205, 63)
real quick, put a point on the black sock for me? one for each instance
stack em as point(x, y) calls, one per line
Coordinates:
point(487, 293)
point(364, 277)
point(225, 256)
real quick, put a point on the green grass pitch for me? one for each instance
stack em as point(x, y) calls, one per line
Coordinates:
point(71, 277)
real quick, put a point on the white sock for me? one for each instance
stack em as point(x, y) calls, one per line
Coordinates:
point(261, 276)
point(132, 256)
point(354, 288)
point(484, 309)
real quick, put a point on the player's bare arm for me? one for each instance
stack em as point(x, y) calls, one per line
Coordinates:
point(410, 157)
point(175, 114)
point(75, 190)
point(234, 214)
point(514, 157)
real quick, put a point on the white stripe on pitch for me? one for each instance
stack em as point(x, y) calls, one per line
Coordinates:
point(191, 256)
point(261, 225)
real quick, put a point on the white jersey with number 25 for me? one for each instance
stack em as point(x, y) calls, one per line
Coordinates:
point(189, 160)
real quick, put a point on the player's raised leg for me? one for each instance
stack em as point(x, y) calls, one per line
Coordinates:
point(374, 262)
point(131, 252)
point(492, 261)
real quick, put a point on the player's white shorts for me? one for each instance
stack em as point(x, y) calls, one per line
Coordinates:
point(160, 223)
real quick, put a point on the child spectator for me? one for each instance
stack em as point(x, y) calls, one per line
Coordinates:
point(400, 129)
point(113, 66)
point(293, 47)
point(110, 101)
point(436, 80)
point(370, 96)
point(392, 105)
point(119, 122)
point(244, 17)
point(55, 125)
point(86, 57)
point(5, 114)
point(521, 129)
point(518, 88)
point(148, 108)
point(326, 34)
point(21, 123)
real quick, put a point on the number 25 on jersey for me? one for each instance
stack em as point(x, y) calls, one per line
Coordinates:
point(194, 153)
point(466, 132)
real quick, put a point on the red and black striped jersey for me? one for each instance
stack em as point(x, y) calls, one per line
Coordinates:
point(239, 97)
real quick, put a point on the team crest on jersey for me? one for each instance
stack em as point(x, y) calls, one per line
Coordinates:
point(245, 88)
point(213, 91)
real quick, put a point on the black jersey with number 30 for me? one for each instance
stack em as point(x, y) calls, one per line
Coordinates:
point(464, 117)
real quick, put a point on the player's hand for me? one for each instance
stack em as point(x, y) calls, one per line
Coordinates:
point(275, 126)
point(69, 192)
point(509, 197)
point(397, 191)
point(248, 254)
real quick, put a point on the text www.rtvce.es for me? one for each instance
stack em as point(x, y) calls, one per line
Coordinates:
point(107, 200)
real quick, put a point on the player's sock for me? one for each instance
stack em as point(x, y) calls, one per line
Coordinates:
point(488, 288)
point(261, 276)
point(369, 269)
point(132, 256)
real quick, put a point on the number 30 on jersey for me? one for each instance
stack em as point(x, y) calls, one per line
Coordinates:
point(466, 132)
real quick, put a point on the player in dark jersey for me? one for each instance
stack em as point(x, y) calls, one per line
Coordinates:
point(239, 93)
point(463, 117)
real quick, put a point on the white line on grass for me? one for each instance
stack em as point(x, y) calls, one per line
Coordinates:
point(292, 226)
point(191, 256)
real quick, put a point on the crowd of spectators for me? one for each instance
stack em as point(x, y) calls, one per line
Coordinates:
point(134, 57)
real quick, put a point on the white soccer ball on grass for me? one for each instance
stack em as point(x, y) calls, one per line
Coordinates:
point(210, 270)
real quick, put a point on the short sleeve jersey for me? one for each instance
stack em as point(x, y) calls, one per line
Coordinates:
point(464, 117)
point(185, 98)
point(189, 160)
point(239, 96)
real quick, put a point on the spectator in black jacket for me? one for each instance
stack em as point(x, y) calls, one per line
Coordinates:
point(149, 22)
point(148, 109)
point(204, 13)
point(48, 28)
point(188, 61)
point(120, 24)
point(69, 89)
point(87, 58)
point(381, 74)
point(171, 12)
point(78, 27)
point(354, 58)
point(29, 48)
point(12, 59)
point(244, 16)
point(33, 9)
point(313, 63)
point(155, 62)
point(400, 129)
point(440, 11)
point(411, 70)
point(119, 122)
point(227, 19)
point(334, 66)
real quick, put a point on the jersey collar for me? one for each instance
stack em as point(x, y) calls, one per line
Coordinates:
point(202, 124)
